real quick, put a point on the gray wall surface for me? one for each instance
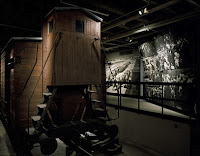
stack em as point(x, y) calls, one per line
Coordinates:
point(153, 133)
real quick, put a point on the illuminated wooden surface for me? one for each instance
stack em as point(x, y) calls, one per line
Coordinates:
point(24, 53)
point(76, 58)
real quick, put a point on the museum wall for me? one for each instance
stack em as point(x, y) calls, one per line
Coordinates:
point(169, 138)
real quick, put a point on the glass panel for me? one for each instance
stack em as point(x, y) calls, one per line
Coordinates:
point(50, 26)
point(79, 26)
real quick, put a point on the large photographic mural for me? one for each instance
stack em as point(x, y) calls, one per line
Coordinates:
point(166, 59)
point(123, 68)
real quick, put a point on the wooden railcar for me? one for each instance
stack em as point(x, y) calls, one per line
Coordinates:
point(21, 62)
point(72, 38)
point(76, 57)
point(56, 79)
point(71, 59)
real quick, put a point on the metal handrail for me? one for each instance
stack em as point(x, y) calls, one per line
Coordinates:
point(153, 83)
point(144, 97)
point(54, 42)
point(29, 76)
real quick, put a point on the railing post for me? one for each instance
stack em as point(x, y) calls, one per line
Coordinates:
point(117, 94)
point(120, 92)
point(118, 100)
point(139, 96)
point(162, 100)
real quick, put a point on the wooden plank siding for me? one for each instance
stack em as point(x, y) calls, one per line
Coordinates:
point(3, 82)
point(24, 53)
point(76, 58)
point(12, 86)
point(25, 66)
point(75, 61)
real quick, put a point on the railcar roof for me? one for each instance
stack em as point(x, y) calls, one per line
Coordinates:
point(21, 39)
point(93, 16)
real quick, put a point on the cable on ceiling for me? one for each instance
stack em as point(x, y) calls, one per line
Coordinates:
point(15, 27)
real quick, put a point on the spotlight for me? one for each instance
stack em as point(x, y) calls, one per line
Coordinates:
point(128, 39)
point(11, 63)
point(143, 11)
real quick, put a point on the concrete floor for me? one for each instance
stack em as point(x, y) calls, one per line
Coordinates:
point(144, 105)
point(128, 149)
point(6, 148)
point(132, 150)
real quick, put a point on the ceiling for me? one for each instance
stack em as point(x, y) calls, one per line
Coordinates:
point(123, 27)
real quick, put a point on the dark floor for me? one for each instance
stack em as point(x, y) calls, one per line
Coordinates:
point(128, 149)
point(6, 148)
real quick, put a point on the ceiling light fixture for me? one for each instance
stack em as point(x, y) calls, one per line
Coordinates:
point(140, 12)
point(143, 11)
point(128, 39)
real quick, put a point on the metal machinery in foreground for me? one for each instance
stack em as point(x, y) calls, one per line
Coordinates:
point(86, 136)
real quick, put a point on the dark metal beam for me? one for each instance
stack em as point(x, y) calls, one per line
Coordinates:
point(119, 51)
point(132, 38)
point(193, 3)
point(155, 25)
point(155, 3)
point(160, 7)
point(108, 8)
point(122, 45)
point(93, 11)
point(146, 34)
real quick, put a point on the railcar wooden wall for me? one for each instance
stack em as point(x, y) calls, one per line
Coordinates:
point(69, 103)
point(3, 82)
point(24, 53)
point(76, 58)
